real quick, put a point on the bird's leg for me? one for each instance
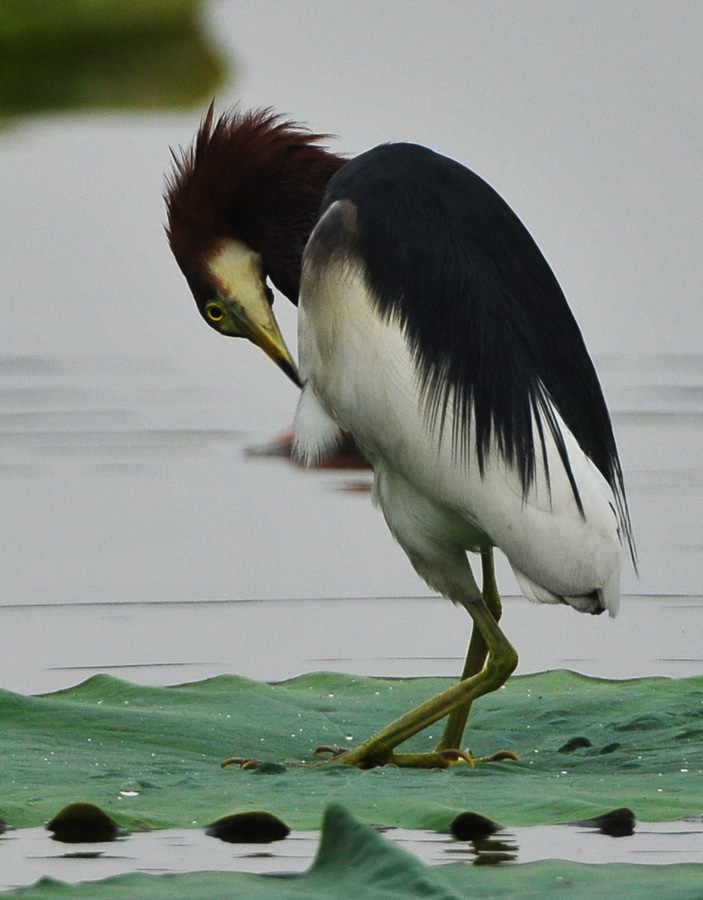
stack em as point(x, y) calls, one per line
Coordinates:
point(490, 586)
point(476, 655)
point(490, 661)
point(380, 749)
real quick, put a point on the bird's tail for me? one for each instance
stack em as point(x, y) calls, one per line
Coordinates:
point(595, 601)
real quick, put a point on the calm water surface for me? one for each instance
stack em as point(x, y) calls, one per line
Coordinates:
point(29, 854)
point(130, 500)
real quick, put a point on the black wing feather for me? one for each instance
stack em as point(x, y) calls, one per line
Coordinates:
point(488, 324)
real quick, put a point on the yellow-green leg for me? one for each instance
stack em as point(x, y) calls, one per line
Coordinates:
point(489, 663)
point(476, 655)
point(379, 750)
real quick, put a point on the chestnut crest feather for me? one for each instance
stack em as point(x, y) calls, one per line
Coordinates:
point(252, 177)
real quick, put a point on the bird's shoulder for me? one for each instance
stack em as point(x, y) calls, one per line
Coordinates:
point(433, 236)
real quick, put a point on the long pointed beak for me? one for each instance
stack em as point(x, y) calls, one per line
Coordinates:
point(265, 333)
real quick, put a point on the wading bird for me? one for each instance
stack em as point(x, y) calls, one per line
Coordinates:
point(433, 330)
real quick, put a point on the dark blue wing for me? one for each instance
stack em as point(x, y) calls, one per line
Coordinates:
point(488, 324)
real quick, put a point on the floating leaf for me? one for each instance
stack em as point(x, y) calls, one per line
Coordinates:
point(106, 733)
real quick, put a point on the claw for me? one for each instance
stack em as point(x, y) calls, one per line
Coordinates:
point(332, 751)
point(500, 756)
point(456, 755)
point(242, 761)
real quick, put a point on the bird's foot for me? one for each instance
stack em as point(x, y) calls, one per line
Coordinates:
point(243, 762)
point(439, 759)
point(371, 758)
point(367, 758)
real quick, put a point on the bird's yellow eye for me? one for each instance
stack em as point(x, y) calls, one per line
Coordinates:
point(214, 312)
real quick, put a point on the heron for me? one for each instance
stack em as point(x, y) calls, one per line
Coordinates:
point(432, 329)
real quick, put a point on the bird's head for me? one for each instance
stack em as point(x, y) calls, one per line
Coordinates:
point(241, 204)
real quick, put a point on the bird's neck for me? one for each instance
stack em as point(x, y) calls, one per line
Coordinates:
point(290, 214)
